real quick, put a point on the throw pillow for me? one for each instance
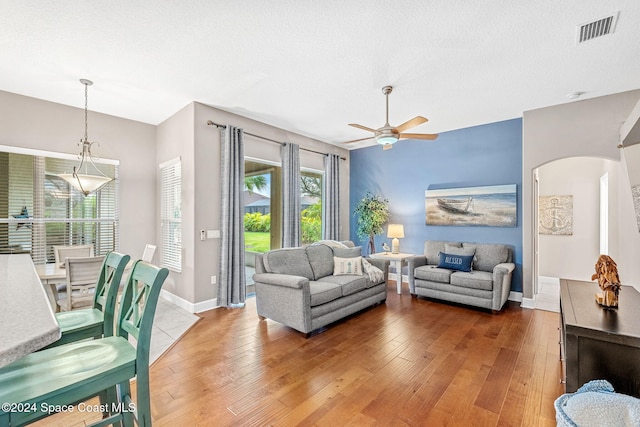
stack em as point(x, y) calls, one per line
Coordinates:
point(469, 250)
point(342, 266)
point(455, 262)
point(347, 252)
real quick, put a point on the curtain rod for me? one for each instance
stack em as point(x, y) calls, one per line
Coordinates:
point(212, 123)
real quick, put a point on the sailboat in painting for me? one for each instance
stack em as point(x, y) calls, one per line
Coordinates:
point(457, 205)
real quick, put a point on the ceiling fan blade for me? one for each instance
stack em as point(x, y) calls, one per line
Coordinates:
point(356, 140)
point(361, 127)
point(430, 136)
point(418, 120)
point(387, 146)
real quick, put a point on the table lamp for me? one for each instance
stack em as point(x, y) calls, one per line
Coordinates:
point(395, 231)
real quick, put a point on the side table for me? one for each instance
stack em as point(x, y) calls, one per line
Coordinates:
point(395, 261)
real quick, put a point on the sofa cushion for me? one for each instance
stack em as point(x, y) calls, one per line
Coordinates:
point(351, 266)
point(324, 291)
point(292, 261)
point(475, 280)
point(432, 273)
point(432, 249)
point(488, 255)
point(469, 250)
point(455, 262)
point(349, 284)
point(321, 260)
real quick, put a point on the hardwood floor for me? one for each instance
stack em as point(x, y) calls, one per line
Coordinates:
point(408, 362)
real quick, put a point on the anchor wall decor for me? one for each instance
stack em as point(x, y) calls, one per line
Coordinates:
point(555, 215)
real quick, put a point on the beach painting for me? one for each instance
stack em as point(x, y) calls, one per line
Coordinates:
point(493, 206)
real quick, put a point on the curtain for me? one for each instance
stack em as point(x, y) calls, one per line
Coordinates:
point(232, 287)
point(331, 211)
point(290, 195)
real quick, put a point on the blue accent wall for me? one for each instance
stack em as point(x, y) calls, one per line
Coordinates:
point(489, 154)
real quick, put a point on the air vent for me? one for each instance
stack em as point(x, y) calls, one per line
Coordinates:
point(598, 28)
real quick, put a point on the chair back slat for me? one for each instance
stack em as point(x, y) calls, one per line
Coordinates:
point(82, 278)
point(74, 251)
point(149, 251)
point(107, 288)
point(138, 305)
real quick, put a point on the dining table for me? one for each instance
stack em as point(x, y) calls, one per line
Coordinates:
point(51, 275)
point(27, 321)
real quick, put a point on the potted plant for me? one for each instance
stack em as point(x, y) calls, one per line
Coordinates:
point(372, 212)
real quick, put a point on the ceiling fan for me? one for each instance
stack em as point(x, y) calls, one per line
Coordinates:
point(388, 135)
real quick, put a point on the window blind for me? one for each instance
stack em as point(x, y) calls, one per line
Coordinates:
point(171, 215)
point(39, 210)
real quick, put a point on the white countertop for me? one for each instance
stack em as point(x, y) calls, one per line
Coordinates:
point(27, 322)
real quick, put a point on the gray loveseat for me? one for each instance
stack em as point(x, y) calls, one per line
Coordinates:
point(297, 286)
point(487, 285)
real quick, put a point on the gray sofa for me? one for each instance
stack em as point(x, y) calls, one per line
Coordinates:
point(487, 285)
point(297, 286)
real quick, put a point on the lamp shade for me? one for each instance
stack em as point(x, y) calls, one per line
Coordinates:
point(395, 231)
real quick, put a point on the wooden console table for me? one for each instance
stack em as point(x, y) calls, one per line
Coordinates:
point(598, 342)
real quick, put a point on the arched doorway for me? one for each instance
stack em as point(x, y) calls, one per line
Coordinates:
point(568, 231)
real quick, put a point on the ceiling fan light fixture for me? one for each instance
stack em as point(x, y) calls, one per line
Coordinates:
point(386, 139)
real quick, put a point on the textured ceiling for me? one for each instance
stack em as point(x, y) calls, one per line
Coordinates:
point(311, 67)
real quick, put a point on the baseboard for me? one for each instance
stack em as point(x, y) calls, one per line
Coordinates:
point(528, 303)
point(206, 305)
point(189, 306)
point(515, 296)
point(552, 280)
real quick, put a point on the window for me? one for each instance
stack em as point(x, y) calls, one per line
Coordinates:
point(262, 205)
point(311, 209)
point(171, 215)
point(39, 210)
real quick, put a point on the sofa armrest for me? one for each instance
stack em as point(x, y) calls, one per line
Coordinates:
point(287, 280)
point(501, 284)
point(412, 264)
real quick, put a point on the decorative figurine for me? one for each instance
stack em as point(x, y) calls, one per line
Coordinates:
point(386, 247)
point(608, 280)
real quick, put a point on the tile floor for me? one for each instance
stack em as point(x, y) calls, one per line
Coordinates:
point(169, 323)
point(548, 297)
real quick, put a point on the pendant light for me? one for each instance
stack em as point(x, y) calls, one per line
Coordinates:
point(84, 182)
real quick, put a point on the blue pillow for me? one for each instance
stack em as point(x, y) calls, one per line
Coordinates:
point(455, 262)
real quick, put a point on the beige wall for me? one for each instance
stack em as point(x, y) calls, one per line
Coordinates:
point(573, 256)
point(36, 124)
point(187, 134)
point(175, 139)
point(587, 128)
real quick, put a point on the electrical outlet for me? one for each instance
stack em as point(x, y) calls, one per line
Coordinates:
point(213, 280)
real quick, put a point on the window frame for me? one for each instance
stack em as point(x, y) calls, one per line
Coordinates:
point(170, 218)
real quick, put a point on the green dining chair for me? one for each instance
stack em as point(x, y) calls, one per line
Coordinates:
point(98, 320)
point(32, 386)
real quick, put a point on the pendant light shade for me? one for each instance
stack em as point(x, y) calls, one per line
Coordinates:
point(84, 182)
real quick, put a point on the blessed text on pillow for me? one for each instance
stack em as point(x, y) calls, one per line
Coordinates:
point(455, 262)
